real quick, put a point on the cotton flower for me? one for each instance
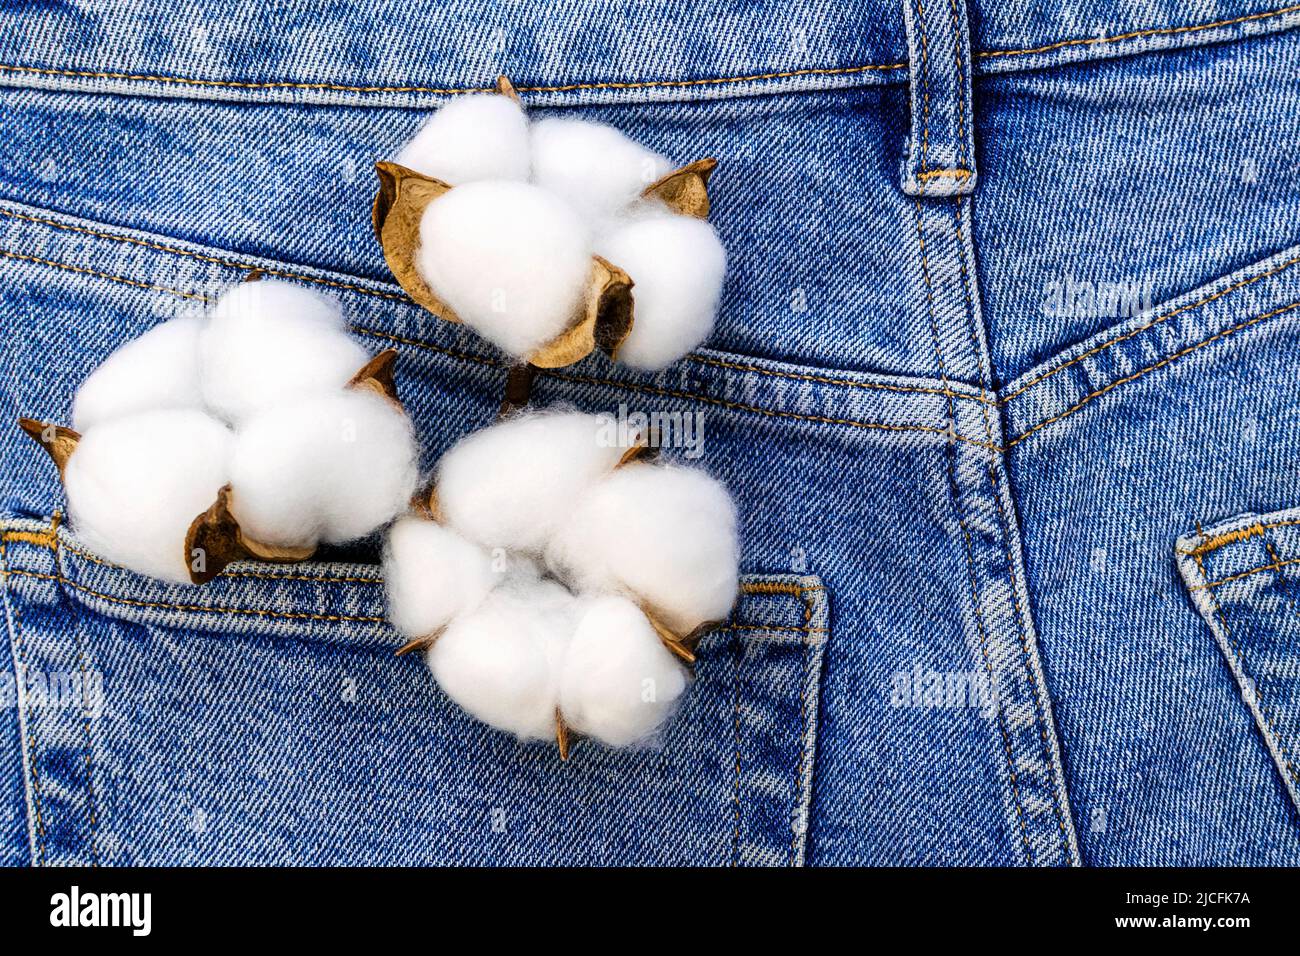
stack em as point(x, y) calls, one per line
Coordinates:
point(135, 484)
point(553, 238)
point(259, 430)
point(605, 564)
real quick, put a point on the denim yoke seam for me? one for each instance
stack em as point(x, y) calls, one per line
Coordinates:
point(642, 387)
point(27, 733)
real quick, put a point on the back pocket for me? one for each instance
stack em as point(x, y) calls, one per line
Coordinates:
point(1244, 577)
point(263, 719)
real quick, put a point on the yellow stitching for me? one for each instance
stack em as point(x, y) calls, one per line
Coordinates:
point(49, 540)
point(569, 377)
point(452, 91)
point(1154, 322)
point(31, 730)
point(1163, 362)
point(215, 260)
point(629, 85)
point(1275, 566)
point(925, 85)
point(951, 173)
point(957, 511)
point(776, 627)
point(777, 587)
point(104, 275)
point(43, 538)
point(825, 380)
point(1160, 31)
point(1228, 537)
point(957, 38)
point(1259, 690)
point(292, 615)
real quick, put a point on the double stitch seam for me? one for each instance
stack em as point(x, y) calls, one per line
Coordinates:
point(1022, 625)
point(1282, 267)
point(79, 633)
point(21, 661)
point(1259, 691)
point(629, 84)
point(232, 263)
point(634, 386)
point(957, 511)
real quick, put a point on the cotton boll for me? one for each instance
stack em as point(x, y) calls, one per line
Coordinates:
point(160, 369)
point(620, 683)
point(432, 575)
point(270, 341)
point(594, 167)
point(664, 533)
point(508, 486)
point(511, 260)
point(502, 661)
point(676, 264)
point(332, 466)
point(135, 484)
point(483, 136)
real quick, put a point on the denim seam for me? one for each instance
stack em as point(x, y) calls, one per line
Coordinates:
point(399, 297)
point(36, 822)
point(458, 90)
point(925, 87)
point(1151, 368)
point(195, 608)
point(1262, 708)
point(74, 614)
point(1154, 322)
point(957, 511)
point(633, 84)
point(1135, 34)
point(632, 386)
point(962, 156)
point(1021, 616)
point(738, 654)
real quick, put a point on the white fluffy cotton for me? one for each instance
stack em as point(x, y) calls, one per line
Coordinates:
point(432, 575)
point(676, 264)
point(594, 167)
point(502, 662)
point(135, 484)
point(664, 533)
point(483, 136)
point(508, 486)
point(328, 467)
point(510, 259)
point(160, 369)
point(269, 341)
point(620, 683)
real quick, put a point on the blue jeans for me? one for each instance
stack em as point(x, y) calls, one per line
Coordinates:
point(1004, 382)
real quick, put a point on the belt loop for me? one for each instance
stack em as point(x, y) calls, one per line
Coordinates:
point(941, 148)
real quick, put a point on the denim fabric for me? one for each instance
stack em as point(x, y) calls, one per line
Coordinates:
point(974, 437)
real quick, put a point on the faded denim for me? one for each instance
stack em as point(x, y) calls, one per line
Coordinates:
point(1014, 451)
